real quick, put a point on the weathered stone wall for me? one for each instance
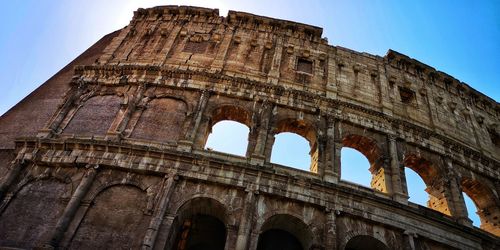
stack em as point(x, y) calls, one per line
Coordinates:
point(121, 163)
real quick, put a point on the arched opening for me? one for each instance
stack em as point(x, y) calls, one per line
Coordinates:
point(353, 163)
point(486, 202)
point(199, 224)
point(284, 231)
point(228, 137)
point(435, 186)
point(277, 239)
point(228, 130)
point(355, 167)
point(290, 149)
point(365, 242)
point(416, 188)
point(295, 145)
point(201, 232)
point(471, 210)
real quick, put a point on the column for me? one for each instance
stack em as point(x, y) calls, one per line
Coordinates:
point(13, 174)
point(274, 72)
point(73, 204)
point(246, 221)
point(397, 187)
point(330, 153)
point(330, 230)
point(258, 156)
point(408, 241)
point(457, 202)
point(156, 221)
point(187, 143)
point(218, 63)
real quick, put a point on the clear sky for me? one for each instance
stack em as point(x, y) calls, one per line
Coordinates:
point(461, 38)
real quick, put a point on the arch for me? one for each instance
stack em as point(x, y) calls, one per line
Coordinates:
point(306, 130)
point(95, 116)
point(200, 223)
point(369, 148)
point(228, 112)
point(433, 180)
point(231, 112)
point(115, 220)
point(284, 230)
point(416, 187)
point(162, 120)
point(486, 202)
point(354, 170)
point(365, 242)
point(108, 184)
point(296, 155)
point(229, 137)
point(32, 214)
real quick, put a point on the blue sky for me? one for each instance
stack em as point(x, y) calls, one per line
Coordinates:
point(461, 38)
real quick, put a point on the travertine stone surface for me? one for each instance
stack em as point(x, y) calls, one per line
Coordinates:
point(111, 153)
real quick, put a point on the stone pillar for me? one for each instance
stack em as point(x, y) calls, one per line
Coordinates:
point(168, 45)
point(330, 175)
point(155, 223)
point(246, 221)
point(254, 238)
point(187, 143)
point(330, 230)
point(131, 107)
point(165, 235)
point(274, 72)
point(218, 63)
point(397, 187)
point(408, 240)
point(337, 147)
point(73, 205)
point(456, 199)
point(258, 155)
point(13, 174)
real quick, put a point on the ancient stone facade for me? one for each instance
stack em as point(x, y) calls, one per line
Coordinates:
point(110, 152)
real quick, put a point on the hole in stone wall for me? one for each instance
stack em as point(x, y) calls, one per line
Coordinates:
point(355, 167)
point(416, 188)
point(472, 210)
point(292, 150)
point(228, 137)
point(407, 95)
point(494, 136)
point(304, 65)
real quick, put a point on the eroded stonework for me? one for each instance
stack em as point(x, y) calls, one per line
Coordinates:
point(110, 152)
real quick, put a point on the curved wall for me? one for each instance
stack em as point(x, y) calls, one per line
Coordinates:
point(141, 114)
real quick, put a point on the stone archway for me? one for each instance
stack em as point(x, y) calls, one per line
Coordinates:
point(365, 242)
point(283, 231)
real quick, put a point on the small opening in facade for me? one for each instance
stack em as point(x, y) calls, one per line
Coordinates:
point(304, 65)
point(407, 95)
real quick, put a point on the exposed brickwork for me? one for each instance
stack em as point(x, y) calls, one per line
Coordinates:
point(119, 157)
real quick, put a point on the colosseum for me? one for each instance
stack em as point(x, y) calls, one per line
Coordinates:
point(110, 152)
